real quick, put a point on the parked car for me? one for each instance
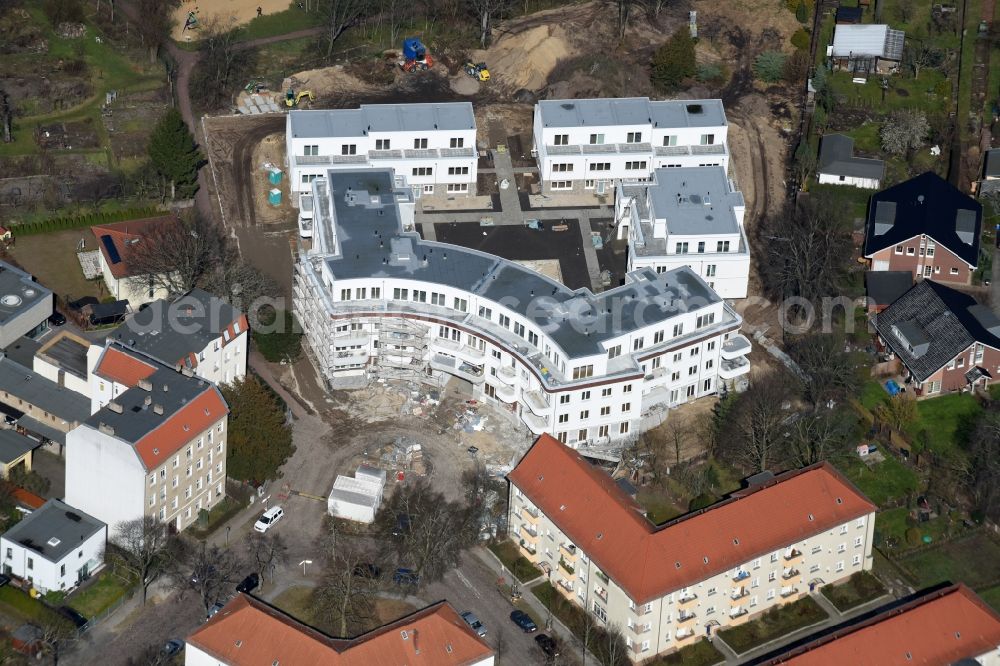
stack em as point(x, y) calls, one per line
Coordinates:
point(548, 645)
point(73, 616)
point(57, 318)
point(216, 607)
point(269, 518)
point(249, 584)
point(523, 620)
point(475, 623)
point(404, 576)
point(367, 570)
point(172, 647)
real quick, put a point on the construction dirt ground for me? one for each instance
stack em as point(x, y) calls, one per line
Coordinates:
point(224, 12)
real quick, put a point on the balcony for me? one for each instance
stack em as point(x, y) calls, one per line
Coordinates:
point(685, 633)
point(529, 550)
point(739, 611)
point(531, 515)
point(568, 552)
point(566, 566)
point(602, 576)
point(637, 648)
point(464, 352)
point(537, 402)
point(507, 374)
point(600, 149)
point(789, 574)
point(505, 393)
point(685, 601)
point(463, 370)
point(601, 593)
point(530, 535)
point(734, 347)
point(793, 555)
point(686, 617)
point(788, 592)
point(640, 629)
point(537, 424)
point(739, 596)
point(349, 357)
point(740, 575)
point(565, 587)
point(676, 151)
point(734, 368)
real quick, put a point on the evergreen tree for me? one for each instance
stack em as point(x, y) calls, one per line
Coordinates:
point(802, 12)
point(174, 154)
point(259, 439)
point(674, 61)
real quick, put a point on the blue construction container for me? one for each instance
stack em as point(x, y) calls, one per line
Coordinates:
point(414, 49)
point(274, 176)
point(274, 197)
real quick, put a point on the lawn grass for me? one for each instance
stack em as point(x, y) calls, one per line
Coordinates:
point(774, 623)
point(99, 594)
point(697, 654)
point(882, 482)
point(280, 23)
point(893, 523)
point(972, 12)
point(52, 259)
point(973, 560)
point(853, 199)
point(859, 589)
point(17, 603)
point(991, 596)
point(218, 515)
point(519, 566)
point(297, 602)
point(946, 420)
point(873, 394)
point(659, 508)
point(575, 618)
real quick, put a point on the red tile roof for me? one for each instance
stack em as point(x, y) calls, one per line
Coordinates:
point(648, 562)
point(937, 629)
point(27, 499)
point(123, 368)
point(120, 233)
point(181, 427)
point(250, 632)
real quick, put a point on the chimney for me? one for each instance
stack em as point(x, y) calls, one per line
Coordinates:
point(147, 401)
point(166, 388)
point(115, 407)
point(158, 409)
point(187, 372)
point(105, 428)
point(145, 385)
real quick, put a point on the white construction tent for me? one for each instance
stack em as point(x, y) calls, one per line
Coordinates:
point(357, 497)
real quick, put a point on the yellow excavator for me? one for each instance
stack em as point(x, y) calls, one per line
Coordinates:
point(478, 71)
point(293, 99)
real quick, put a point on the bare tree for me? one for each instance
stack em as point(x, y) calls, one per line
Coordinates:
point(239, 282)
point(897, 412)
point(616, 647)
point(486, 11)
point(265, 551)
point(820, 436)
point(829, 371)
point(904, 130)
point(6, 117)
point(224, 65)
point(156, 24)
point(55, 633)
point(347, 592)
point(176, 256)
point(904, 10)
point(142, 548)
point(983, 478)
point(919, 55)
point(624, 12)
point(754, 434)
point(210, 572)
point(340, 15)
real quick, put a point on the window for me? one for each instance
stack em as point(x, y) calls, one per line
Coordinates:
point(708, 364)
point(562, 167)
point(637, 344)
point(707, 139)
point(311, 150)
point(678, 330)
point(693, 370)
point(583, 371)
point(770, 595)
point(561, 139)
point(627, 388)
point(954, 271)
point(596, 139)
point(419, 143)
point(457, 142)
point(563, 418)
point(564, 399)
point(633, 137)
point(461, 305)
point(910, 251)
point(930, 249)
point(615, 351)
point(856, 560)
point(31, 563)
point(627, 407)
point(722, 246)
point(599, 612)
point(670, 140)
point(706, 319)
point(561, 185)
point(657, 337)
point(770, 577)
point(710, 346)
point(605, 392)
point(623, 428)
point(589, 184)
point(857, 542)
point(602, 431)
point(927, 271)
point(674, 376)
point(519, 329)
point(707, 384)
point(585, 395)
point(840, 566)
point(709, 269)
point(62, 570)
point(605, 411)
point(349, 149)
point(381, 144)
point(458, 171)
point(400, 294)
point(423, 171)
point(600, 166)
point(681, 248)
point(638, 165)
point(585, 414)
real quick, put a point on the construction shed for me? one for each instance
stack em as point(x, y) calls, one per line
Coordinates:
point(357, 497)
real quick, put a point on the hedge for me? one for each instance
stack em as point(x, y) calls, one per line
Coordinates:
point(81, 221)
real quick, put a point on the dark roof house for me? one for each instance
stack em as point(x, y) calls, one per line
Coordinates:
point(885, 287)
point(926, 204)
point(55, 530)
point(836, 157)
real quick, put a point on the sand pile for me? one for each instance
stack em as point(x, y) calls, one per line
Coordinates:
point(525, 59)
point(326, 81)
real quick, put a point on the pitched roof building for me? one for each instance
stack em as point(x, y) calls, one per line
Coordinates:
point(117, 242)
point(838, 166)
point(944, 338)
point(945, 627)
point(249, 631)
point(658, 578)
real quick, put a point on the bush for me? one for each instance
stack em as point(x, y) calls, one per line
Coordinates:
point(913, 536)
point(769, 66)
point(800, 39)
point(674, 61)
point(802, 12)
point(708, 73)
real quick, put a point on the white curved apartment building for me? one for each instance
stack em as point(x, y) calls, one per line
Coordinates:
point(375, 300)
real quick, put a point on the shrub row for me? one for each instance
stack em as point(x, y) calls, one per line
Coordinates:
point(81, 221)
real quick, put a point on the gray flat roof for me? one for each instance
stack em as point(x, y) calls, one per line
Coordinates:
point(68, 354)
point(13, 445)
point(372, 243)
point(26, 384)
point(632, 111)
point(370, 118)
point(55, 530)
point(41, 429)
point(18, 292)
point(836, 157)
point(172, 332)
point(695, 200)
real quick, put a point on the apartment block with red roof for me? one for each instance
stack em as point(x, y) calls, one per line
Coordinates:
point(947, 626)
point(249, 632)
point(157, 446)
point(666, 586)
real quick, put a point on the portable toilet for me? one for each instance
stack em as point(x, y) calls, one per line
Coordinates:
point(274, 176)
point(274, 197)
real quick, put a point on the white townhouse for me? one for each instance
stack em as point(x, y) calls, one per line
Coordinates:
point(55, 547)
point(592, 144)
point(377, 302)
point(665, 586)
point(431, 147)
point(687, 217)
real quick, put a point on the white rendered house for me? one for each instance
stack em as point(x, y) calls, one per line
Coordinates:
point(687, 217)
point(594, 369)
point(55, 547)
point(431, 147)
point(592, 144)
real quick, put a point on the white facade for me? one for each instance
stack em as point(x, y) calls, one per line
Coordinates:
point(521, 341)
point(431, 146)
point(136, 290)
point(687, 217)
point(56, 374)
point(357, 497)
point(593, 144)
point(104, 476)
point(224, 360)
point(853, 181)
point(54, 574)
